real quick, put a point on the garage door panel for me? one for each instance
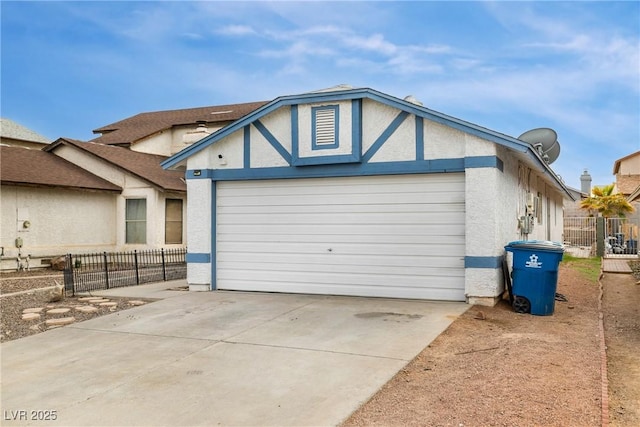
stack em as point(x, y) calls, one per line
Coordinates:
point(455, 238)
point(443, 293)
point(393, 199)
point(424, 271)
point(337, 251)
point(352, 218)
point(325, 279)
point(392, 236)
point(320, 230)
point(305, 262)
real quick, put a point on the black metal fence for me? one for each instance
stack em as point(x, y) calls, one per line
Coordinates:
point(106, 270)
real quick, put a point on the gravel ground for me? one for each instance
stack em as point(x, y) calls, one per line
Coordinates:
point(26, 290)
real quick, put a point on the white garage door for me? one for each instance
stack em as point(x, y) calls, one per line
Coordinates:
point(399, 236)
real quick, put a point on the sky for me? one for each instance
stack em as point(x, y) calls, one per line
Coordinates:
point(70, 67)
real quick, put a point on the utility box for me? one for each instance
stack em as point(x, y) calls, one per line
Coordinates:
point(534, 275)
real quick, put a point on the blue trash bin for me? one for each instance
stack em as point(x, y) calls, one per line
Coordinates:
point(535, 275)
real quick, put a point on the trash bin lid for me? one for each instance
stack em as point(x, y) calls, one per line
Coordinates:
point(545, 245)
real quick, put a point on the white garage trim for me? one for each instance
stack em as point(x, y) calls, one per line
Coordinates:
point(397, 236)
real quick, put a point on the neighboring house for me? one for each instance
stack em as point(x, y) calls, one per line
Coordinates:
point(167, 132)
point(51, 206)
point(627, 173)
point(79, 197)
point(16, 135)
point(356, 192)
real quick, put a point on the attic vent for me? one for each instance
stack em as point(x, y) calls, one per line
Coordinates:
point(325, 127)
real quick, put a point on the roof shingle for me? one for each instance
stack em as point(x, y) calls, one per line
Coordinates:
point(22, 166)
point(134, 128)
point(143, 165)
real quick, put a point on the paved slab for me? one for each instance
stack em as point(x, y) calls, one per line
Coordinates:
point(617, 265)
point(218, 358)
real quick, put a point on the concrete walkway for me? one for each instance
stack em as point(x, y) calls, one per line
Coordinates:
point(617, 265)
point(217, 358)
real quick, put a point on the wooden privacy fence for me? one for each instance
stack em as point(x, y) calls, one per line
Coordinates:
point(106, 270)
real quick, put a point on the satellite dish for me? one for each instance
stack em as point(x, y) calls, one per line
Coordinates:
point(545, 141)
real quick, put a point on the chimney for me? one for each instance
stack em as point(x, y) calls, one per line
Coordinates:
point(585, 183)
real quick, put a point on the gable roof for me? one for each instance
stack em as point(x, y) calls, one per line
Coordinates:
point(23, 166)
point(341, 93)
point(142, 165)
point(12, 130)
point(132, 129)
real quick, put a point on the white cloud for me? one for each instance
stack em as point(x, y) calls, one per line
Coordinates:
point(236, 30)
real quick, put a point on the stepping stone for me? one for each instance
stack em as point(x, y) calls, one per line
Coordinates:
point(108, 304)
point(87, 309)
point(137, 302)
point(84, 299)
point(32, 310)
point(31, 316)
point(98, 300)
point(60, 321)
point(58, 311)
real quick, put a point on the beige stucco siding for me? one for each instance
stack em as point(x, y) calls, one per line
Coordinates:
point(61, 221)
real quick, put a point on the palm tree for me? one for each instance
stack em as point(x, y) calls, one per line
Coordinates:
point(609, 205)
point(604, 202)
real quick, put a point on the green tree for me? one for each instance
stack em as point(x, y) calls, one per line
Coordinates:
point(607, 203)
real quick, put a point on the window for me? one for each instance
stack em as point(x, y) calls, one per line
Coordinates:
point(136, 221)
point(173, 221)
point(324, 127)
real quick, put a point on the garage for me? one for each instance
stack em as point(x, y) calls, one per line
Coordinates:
point(398, 236)
point(351, 191)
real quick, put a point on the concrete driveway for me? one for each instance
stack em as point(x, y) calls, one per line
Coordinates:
point(217, 358)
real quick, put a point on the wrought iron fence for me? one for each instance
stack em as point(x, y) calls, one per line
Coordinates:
point(106, 270)
point(580, 237)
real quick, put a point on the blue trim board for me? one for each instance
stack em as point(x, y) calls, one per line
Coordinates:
point(272, 140)
point(393, 126)
point(295, 133)
point(199, 174)
point(492, 262)
point(198, 258)
point(247, 147)
point(214, 233)
point(350, 169)
point(419, 138)
point(356, 127)
point(484, 162)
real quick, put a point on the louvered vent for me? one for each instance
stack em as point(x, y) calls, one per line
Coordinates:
point(325, 126)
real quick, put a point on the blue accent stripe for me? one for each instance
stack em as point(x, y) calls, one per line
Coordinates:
point(356, 127)
point(348, 169)
point(214, 216)
point(419, 138)
point(247, 147)
point(484, 162)
point(273, 141)
point(199, 174)
point(198, 258)
point(483, 261)
point(385, 135)
point(295, 134)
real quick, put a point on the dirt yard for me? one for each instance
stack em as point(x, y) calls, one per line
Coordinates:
point(493, 367)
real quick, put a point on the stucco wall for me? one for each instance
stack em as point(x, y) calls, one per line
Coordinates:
point(61, 221)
